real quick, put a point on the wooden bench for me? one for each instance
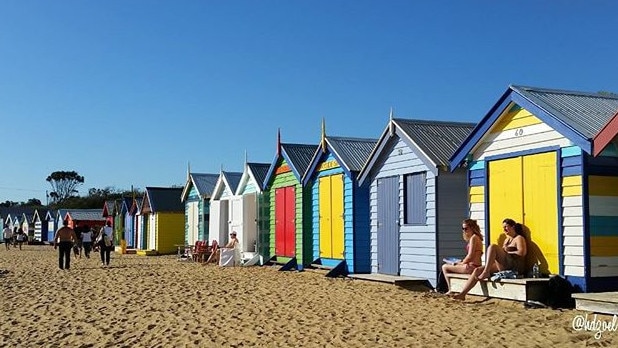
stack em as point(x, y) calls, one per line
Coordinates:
point(521, 289)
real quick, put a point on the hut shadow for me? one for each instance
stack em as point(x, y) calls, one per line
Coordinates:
point(534, 253)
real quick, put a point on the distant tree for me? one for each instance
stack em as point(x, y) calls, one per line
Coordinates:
point(32, 202)
point(64, 185)
point(8, 204)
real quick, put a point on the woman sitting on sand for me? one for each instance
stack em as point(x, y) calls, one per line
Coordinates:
point(474, 249)
point(511, 256)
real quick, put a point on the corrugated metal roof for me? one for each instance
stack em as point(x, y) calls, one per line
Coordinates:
point(165, 199)
point(86, 214)
point(352, 151)
point(437, 139)
point(585, 112)
point(259, 171)
point(204, 183)
point(300, 155)
point(232, 179)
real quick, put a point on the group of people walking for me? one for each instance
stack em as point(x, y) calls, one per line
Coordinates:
point(15, 237)
point(68, 239)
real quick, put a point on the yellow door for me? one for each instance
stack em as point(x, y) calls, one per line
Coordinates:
point(331, 216)
point(525, 190)
point(505, 195)
point(541, 208)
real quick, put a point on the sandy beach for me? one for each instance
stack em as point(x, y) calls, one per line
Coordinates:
point(161, 302)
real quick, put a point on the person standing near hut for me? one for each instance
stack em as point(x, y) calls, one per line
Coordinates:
point(7, 234)
point(65, 237)
point(21, 237)
point(106, 242)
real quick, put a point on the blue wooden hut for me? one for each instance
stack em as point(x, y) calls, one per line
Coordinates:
point(543, 158)
point(127, 221)
point(196, 196)
point(410, 187)
point(340, 207)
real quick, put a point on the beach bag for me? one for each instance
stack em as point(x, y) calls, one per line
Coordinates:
point(107, 241)
point(559, 292)
point(441, 284)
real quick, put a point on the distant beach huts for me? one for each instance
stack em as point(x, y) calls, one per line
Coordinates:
point(290, 206)
point(416, 203)
point(543, 158)
point(196, 198)
point(339, 207)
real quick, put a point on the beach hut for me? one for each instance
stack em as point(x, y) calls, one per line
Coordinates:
point(196, 196)
point(537, 157)
point(222, 196)
point(27, 223)
point(164, 216)
point(249, 210)
point(125, 219)
point(82, 217)
point(290, 214)
point(416, 203)
point(340, 207)
point(52, 226)
point(138, 223)
point(41, 224)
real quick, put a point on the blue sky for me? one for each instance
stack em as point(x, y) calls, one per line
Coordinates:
point(130, 92)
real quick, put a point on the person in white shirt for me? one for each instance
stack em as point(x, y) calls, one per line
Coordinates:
point(87, 241)
point(106, 242)
point(7, 234)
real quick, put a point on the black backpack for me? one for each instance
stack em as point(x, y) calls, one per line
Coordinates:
point(559, 292)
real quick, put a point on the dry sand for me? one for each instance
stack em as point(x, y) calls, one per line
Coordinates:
point(144, 301)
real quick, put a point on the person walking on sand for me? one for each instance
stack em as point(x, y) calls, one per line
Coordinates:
point(7, 234)
point(87, 241)
point(65, 237)
point(21, 237)
point(106, 242)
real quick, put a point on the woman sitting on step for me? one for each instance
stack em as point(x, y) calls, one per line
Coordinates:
point(510, 256)
point(471, 233)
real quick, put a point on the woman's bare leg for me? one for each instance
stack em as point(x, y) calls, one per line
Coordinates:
point(494, 253)
point(470, 283)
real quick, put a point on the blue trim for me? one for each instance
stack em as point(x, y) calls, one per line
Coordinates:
point(271, 170)
point(477, 165)
point(560, 229)
point(579, 283)
point(486, 204)
point(571, 151)
point(319, 159)
point(479, 131)
point(522, 153)
point(477, 182)
point(571, 161)
point(572, 171)
point(585, 214)
point(552, 121)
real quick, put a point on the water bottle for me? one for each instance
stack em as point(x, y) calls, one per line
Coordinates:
point(536, 273)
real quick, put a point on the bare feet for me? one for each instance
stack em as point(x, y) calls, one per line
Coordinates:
point(460, 297)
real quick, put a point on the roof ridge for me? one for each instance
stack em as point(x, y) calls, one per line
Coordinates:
point(604, 95)
point(433, 122)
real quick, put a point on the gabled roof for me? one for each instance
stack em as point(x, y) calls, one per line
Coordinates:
point(164, 199)
point(298, 157)
point(125, 204)
point(204, 184)
point(136, 205)
point(109, 207)
point(226, 179)
point(350, 153)
point(39, 214)
point(578, 116)
point(255, 172)
point(15, 211)
point(432, 141)
point(86, 214)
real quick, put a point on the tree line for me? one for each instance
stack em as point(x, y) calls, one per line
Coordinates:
point(64, 194)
